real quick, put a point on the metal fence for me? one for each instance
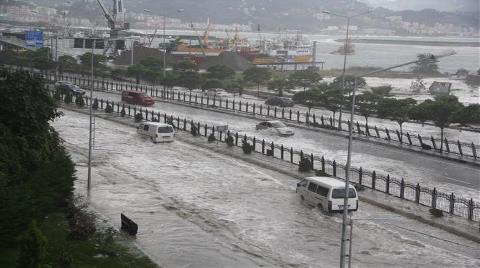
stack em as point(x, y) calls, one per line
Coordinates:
point(431, 144)
point(385, 183)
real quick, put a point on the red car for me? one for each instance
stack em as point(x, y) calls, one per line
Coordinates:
point(137, 98)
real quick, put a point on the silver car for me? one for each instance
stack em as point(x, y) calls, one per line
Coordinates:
point(279, 127)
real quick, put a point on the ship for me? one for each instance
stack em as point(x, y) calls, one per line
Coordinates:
point(285, 50)
point(349, 49)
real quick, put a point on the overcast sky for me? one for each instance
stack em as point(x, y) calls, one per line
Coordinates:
point(443, 5)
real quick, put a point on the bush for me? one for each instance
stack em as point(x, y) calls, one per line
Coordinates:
point(68, 98)
point(32, 247)
point(359, 187)
point(211, 137)
point(436, 212)
point(193, 130)
point(320, 173)
point(79, 101)
point(57, 95)
point(95, 104)
point(138, 117)
point(229, 140)
point(304, 165)
point(246, 147)
point(122, 112)
point(109, 109)
point(81, 222)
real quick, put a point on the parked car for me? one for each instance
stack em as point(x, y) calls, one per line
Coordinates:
point(279, 127)
point(327, 193)
point(218, 92)
point(279, 101)
point(137, 98)
point(158, 132)
point(66, 87)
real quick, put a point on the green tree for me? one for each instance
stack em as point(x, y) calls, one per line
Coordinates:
point(32, 246)
point(257, 75)
point(220, 72)
point(36, 173)
point(189, 80)
point(468, 115)
point(305, 78)
point(421, 112)
point(366, 104)
point(170, 80)
point(234, 85)
point(396, 110)
point(332, 100)
point(427, 64)
point(98, 60)
point(443, 110)
point(184, 66)
point(154, 64)
point(383, 91)
point(67, 63)
point(118, 73)
point(349, 83)
point(279, 84)
point(211, 83)
point(137, 71)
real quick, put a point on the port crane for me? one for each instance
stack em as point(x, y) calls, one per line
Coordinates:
point(118, 26)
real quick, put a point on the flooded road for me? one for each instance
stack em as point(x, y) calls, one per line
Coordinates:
point(429, 171)
point(196, 208)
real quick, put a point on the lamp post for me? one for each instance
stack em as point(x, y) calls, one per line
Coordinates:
point(90, 136)
point(344, 55)
point(349, 150)
point(164, 45)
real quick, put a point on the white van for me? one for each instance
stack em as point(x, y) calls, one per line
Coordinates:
point(158, 132)
point(327, 193)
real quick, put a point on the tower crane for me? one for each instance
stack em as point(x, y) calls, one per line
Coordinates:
point(116, 24)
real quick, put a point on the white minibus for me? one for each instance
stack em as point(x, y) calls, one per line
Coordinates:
point(327, 193)
point(158, 132)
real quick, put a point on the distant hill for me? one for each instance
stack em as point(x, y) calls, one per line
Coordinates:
point(278, 14)
point(443, 5)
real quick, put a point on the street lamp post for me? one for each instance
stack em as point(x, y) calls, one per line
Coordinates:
point(90, 138)
point(164, 73)
point(349, 150)
point(344, 56)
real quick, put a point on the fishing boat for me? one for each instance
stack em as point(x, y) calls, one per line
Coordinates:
point(345, 50)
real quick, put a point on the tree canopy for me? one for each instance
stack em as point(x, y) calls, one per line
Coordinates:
point(426, 65)
point(397, 110)
point(186, 65)
point(36, 173)
point(305, 78)
point(257, 75)
point(189, 80)
point(98, 60)
point(220, 72)
point(349, 83)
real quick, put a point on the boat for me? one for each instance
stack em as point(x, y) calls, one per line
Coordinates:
point(349, 50)
point(287, 50)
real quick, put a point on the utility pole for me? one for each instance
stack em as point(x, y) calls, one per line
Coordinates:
point(56, 55)
point(164, 50)
point(345, 45)
point(349, 151)
point(131, 54)
point(89, 176)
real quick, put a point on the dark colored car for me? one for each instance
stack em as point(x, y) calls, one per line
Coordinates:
point(137, 98)
point(279, 101)
point(68, 88)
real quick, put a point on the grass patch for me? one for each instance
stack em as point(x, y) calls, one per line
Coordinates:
point(93, 252)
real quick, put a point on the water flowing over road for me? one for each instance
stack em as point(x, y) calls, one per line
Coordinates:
point(430, 171)
point(196, 208)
